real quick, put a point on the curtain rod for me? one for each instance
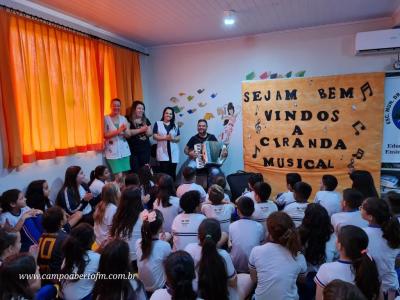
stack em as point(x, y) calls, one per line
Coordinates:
point(43, 20)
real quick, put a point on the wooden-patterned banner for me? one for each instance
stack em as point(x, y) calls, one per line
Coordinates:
point(313, 126)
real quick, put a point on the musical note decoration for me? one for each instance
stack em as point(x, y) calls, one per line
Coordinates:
point(256, 151)
point(258, 126)
point(359, 154)
point(358, 126)
point(364, 88)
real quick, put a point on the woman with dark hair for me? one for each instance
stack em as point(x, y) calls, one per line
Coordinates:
point(140, 131)
point(12, 285)
point(167, 135)
point(364, 183)
point(127, 222)
point(147, 186)
point(37, 195)
point(354, 264)
point(276, 276)
point(79, 259)
point(384, 242)
point(166, 201)
point(116, 150)
point(179, 270)
point(74, 196)
point(318, 240)
point(114, 260)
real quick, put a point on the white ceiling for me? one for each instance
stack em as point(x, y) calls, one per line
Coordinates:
point(161, 22)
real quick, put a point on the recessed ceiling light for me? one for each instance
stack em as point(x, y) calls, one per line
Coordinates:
point(229, 17)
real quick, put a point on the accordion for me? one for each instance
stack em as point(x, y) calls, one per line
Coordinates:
point(209, 153)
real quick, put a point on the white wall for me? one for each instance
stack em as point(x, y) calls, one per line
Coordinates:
point(220, 66)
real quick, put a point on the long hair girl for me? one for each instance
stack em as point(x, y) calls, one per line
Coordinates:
point(213, 277)
point(315, 231)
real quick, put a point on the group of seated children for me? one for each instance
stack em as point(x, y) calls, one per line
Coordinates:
point(185, 243)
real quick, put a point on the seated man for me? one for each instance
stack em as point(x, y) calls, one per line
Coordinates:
point(201, 137)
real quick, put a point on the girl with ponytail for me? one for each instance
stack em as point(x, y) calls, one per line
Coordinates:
point(276, 265)
point(167, 202)
point(79, 259)
point(384, 242)
point(151, 251)
point(179, 270)
point(217, 278)
point(354, 264)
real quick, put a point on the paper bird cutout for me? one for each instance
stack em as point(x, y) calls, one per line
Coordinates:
point(182, 94)
point(300, 74)
point(220, 111)
point(199, 91)
point(202, 104)
point(190, 98)
point(289, 74)
point(250, 76)
point(280, 76)
point(273, 76)
point(208, 116)
point(264, 75)
point(177, 109)
point(181, 115)
point(174, 100)
point(192, 110)
point(180, 124)
point(213, 95)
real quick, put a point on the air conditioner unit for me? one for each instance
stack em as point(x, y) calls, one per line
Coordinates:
point(377, 42)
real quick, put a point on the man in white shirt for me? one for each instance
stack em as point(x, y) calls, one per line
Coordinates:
point(350, 215)
point(327, 197)
point(286, 198)
point(189, 175)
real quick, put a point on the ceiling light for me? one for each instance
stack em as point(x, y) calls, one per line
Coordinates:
point(229, 17)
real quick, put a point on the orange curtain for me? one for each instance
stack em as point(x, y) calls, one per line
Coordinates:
point(121, 73)
point(55, 87)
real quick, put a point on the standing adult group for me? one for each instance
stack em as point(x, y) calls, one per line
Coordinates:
point(127, 139)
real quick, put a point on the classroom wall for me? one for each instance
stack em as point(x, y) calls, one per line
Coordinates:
point(220, 66)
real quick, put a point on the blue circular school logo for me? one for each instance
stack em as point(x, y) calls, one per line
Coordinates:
point(396, 114)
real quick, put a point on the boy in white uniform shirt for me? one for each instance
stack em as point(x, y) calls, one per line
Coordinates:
point(264, 207)
point(350, 215)
point(216, 208)
point(186, 224)
point(295, 210)
point(286, 198)
point(189, 176)
point(244, 235)
point(327, 197)
point(253, 179)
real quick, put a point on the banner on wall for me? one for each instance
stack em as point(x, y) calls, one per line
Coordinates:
point(391, 128)
point(313, 126)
